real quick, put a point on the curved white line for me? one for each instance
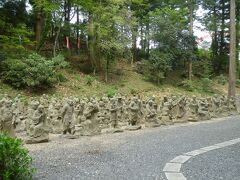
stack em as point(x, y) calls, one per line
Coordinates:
point(172, 169)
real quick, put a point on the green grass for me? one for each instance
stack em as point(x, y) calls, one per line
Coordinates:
point(128, 83)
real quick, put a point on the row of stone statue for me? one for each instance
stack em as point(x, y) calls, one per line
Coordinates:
point(79, 117)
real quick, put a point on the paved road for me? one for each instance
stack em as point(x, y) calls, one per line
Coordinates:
point(142, 154)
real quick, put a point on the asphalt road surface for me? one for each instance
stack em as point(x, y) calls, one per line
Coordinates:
point(143, 154)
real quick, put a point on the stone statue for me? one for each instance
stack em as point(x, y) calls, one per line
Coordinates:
point(203, 111)
point(67, 117)
point(33, 105)
point(165, 112)
point(151, 119)
point(6, 120)
point(38, 132)
point(56, 119)
point(192, 109)
point(134, 120)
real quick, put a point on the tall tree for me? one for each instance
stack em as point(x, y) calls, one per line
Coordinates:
point(232, 60)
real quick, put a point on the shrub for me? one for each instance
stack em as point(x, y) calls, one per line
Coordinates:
point(15, 162)
point(238, 83)
point(59, 62)
point(207, 85)
point(157, 66)
point(89, 80)
point(201, 85)
point(111, 93)
point(221, 79)
point(188, 85)
point(34, 71)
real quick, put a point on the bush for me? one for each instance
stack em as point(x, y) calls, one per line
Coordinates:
point(15, 162)
point(89, 80)
point(238, 83)
point(202, 85)
point(221, 79)
point(34, 71)
point(207, 85)
point(59, 62)
point(188, 85)
point(111, 93)
point(157, 66)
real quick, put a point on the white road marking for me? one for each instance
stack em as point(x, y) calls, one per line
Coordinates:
point(172, 168)
point(180, 159)
point(175, 176)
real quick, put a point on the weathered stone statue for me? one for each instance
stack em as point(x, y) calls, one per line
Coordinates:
point(89, 125)
point(6, 120)
point(38, 131)
point(67, 117)
point(203, 111)
point(33, 105)
point(174, 109)
point(182, 110)
point(165, 112)
point(192, 109)
point(151, 119)
point(113, 112)
point(217, 106)
point(134, 120)
point(56, 119)
point(232, 106)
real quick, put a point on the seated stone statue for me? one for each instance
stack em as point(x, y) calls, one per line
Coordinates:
point(38, 131)
point(7, 124)
point(151, 119)
point(89, 124)
point(165, 112)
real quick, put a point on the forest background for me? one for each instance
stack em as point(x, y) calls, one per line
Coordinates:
point(97, 47)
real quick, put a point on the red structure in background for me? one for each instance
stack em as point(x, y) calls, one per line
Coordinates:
point(67, 42)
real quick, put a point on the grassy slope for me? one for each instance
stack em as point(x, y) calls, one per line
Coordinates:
point(125, 81)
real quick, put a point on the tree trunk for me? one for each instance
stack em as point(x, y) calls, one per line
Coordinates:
point(56, 40)
point(134, 44)
point(77, 30)
point(39, 26)
point(238, 39)
point(91, 50)
point(222, 38)
point(232, 60)
point(191, 9)
point(215, 42)
point(147, 41)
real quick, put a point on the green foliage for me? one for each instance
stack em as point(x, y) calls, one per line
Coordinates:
point(188, 85)
point(78, 77)
point(157, 66)
point(15, 162)
point(89, 80)
point(111, 92)
point(60, 77)
point(221, 79)
point(34, 71)
point(203, 85)
point(59, 62)
point(238, 83)
point(207, 85)
point(202, 67)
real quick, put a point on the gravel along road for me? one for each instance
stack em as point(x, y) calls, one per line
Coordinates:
point(144, 154)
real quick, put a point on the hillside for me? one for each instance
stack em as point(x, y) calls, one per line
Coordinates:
point(123, 80)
